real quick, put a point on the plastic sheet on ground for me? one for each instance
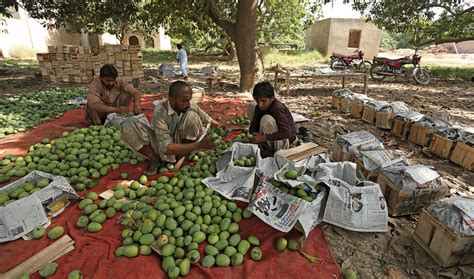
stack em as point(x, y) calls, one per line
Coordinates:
point(352, 204)
point(414, 177)
point(298, 118)
point(457, 213)
point(166, 70)
point(209, 70)
point(361, 140)
point(22, 216)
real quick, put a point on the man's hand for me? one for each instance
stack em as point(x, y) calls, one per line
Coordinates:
point(137, 110)
point(206, 143)
point(258, 138)
point(122, 110)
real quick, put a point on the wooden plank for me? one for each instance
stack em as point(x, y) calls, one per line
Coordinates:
point(463, 155)
point(368, 115)
point(305, 154)
point(441, 146)
point(300, 152)
point(48, 254)
point(357, 109)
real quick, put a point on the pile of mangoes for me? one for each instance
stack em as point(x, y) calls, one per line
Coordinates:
point(299, 192)
point(23, 111)
point(243, 161)
point(240, 120)
point(81, 156)
point(22, 191)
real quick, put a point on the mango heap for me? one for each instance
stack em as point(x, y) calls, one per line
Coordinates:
point(243, 161)
point(22, 191)
point(176, 214)
point(23, 111)
point(81, 156)
point(296, 191)
point(240, 120)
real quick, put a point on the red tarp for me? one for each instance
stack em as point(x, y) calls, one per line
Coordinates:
point(94, 252)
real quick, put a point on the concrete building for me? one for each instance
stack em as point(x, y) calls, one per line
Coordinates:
point(21, 33)
point(343, 35)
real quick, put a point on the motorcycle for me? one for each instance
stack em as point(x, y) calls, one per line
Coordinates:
point(355, 61)
point(384, 67)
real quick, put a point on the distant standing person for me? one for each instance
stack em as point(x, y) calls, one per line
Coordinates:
point(108, 94)
point(182, 58)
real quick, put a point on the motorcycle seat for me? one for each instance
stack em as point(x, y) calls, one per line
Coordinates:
point(339, 55)
point(383, 59)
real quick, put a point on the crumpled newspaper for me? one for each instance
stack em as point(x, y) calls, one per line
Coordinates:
point(376, 105)
point(361, 140)
point(430, 121)
point(410, 116)
point(114, 119)
point(342, 92)
point(397, 108)
point(457, 213)
point(458, 133)
point(414, 177)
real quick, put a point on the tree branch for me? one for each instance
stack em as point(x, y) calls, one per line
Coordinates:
point(228, 26)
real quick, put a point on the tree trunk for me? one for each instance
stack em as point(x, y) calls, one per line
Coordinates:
point(246, 42)
point(244, 35)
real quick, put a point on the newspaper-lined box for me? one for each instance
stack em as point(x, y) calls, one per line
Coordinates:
point(345, 105)
point(401, 127)
point(336, 102)
point(441, 243)
point(357, 109)
point(441, 146)
point(345, 145)
point(463, 155)
point(23, 215)
point(352, 204)
point(410, 200)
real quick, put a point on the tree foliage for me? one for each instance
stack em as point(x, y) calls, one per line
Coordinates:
point(427, 21)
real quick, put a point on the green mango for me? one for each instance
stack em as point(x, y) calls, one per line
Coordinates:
point(168, 250)
point(281, 244)
point(234, 240)
point(292, 244)
point(130, 251)
point(194, 255)
point(222, 260)
point(237, 259)
point(39, 232)
point(253, 240)
point(75, 274)
point(94, 227)
point(48, 269)
point(208, 261)
point(243, 246)
point(211, 250)
point(82, 222)
point(256, 254)
point(184, 267)
point(55, 232)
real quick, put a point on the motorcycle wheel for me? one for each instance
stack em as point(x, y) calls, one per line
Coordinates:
point(338, 64)
point(364, 66)
point(421, 76)
point(375, 72)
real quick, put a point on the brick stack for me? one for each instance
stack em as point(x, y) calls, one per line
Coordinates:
point(80, 64)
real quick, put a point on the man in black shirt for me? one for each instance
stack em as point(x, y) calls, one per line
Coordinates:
point(272, 124)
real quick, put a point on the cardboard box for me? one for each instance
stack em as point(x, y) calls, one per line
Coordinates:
point(420, 135)
point(463, 155)
point(441, 146)
point(407, 201)
point(441, 243)
point(357, 109)
point(368, 115)
point(339, 156)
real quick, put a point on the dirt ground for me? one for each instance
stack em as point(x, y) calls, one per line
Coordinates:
point(372, 255)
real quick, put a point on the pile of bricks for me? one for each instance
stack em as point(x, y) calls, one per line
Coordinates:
point(80, 64)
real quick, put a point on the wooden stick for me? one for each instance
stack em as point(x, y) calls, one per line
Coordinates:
point(57, 249)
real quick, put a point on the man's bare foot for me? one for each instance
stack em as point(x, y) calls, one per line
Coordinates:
point(153, 168)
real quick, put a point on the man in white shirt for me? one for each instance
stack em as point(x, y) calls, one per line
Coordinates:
point(182, 58)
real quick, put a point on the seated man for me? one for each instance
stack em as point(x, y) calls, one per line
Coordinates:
point(272, 124)
point(108, 94)
point(176, 126)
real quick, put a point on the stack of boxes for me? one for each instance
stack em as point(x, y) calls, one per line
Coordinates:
point(80, 64)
